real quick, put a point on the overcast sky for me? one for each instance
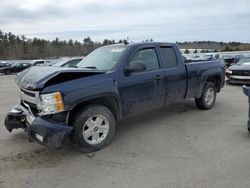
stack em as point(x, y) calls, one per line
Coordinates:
point(162, 20)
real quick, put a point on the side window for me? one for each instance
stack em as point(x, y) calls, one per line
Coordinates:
point(39, 62)
point(72, 63)
point(66, 65)
point(169, 57)
point(148, 57)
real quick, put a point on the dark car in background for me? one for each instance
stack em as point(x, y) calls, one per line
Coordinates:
point(68, 63)
point(18, 67)
point(229, 60)
point(239, 73)
point(239, 57)
point(3, 64)
point(232, 59)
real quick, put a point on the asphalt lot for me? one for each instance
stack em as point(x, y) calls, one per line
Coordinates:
point(177, 146)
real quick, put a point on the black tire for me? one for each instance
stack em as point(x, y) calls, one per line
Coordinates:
point(201, 102)
point(7, 72)
point(79, 122)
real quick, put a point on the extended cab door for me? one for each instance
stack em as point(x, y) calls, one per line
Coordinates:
point(175, 74)
point(144, 90)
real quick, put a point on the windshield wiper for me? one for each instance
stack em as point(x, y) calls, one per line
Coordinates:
point(90, 67)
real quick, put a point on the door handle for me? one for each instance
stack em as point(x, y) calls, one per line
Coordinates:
point(158, 77)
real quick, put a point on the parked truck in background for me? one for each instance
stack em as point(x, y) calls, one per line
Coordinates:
point(111, 83)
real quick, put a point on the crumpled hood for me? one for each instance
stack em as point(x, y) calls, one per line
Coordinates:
point(37, 77)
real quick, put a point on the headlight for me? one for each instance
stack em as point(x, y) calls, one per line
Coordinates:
point(229, 71)
point(51, 103)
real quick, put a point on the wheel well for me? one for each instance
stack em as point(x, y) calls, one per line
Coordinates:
point(216, 80)
point(108, 101)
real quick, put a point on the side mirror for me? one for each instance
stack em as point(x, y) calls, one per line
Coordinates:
point(138, 66)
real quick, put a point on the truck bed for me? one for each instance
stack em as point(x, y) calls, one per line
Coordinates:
point(197, 72)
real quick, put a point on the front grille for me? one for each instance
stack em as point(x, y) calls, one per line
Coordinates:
point(32, 107)
point(28, 93)
point(241, 72)
point(29, 96)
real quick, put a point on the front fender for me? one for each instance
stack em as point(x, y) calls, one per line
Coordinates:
point(103, 88)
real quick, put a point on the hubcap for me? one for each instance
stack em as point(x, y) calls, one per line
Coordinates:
point(95, 129)
point(209, 96)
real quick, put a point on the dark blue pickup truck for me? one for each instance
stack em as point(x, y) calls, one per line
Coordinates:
point(111, 83)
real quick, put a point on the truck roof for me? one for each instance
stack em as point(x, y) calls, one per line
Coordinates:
point(152, 43)
point(144, 43)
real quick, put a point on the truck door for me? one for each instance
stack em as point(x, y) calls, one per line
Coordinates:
point(141, 91)
point(175, 75)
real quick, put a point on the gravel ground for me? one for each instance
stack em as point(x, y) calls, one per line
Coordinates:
point(176, 146)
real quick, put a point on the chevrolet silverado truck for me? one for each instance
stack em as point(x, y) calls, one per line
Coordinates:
point(111, 83)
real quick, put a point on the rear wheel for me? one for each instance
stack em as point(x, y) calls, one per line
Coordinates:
point(94, 128)
point(208, 97)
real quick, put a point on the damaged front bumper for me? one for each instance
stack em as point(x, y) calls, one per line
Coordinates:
point(42, 130)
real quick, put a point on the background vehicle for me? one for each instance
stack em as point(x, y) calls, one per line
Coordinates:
point(239, 73)
point(199, 58)
point(15, 68)
point(111, 83)
point(68, 63)
point(3, 64)
point(231, 59)
point(39, 62)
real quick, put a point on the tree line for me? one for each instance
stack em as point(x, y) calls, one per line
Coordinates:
point(19, 47)
point(216, 46)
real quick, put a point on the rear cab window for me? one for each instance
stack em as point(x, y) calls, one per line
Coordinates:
point(169, 56)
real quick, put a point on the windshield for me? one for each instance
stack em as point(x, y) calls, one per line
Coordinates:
point(245, 61)
point(15, 65)
point(104, 58)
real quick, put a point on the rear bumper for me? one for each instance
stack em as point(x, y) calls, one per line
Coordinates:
point(44, 131)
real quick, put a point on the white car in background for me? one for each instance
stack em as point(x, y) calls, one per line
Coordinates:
point(40, 62)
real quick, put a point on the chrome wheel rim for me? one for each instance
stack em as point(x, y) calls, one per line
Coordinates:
point(95, 129)
point(209, 96)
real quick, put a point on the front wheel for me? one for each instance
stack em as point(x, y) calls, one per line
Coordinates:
point(94, 127)
point(7, 72)
point(208, 97)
